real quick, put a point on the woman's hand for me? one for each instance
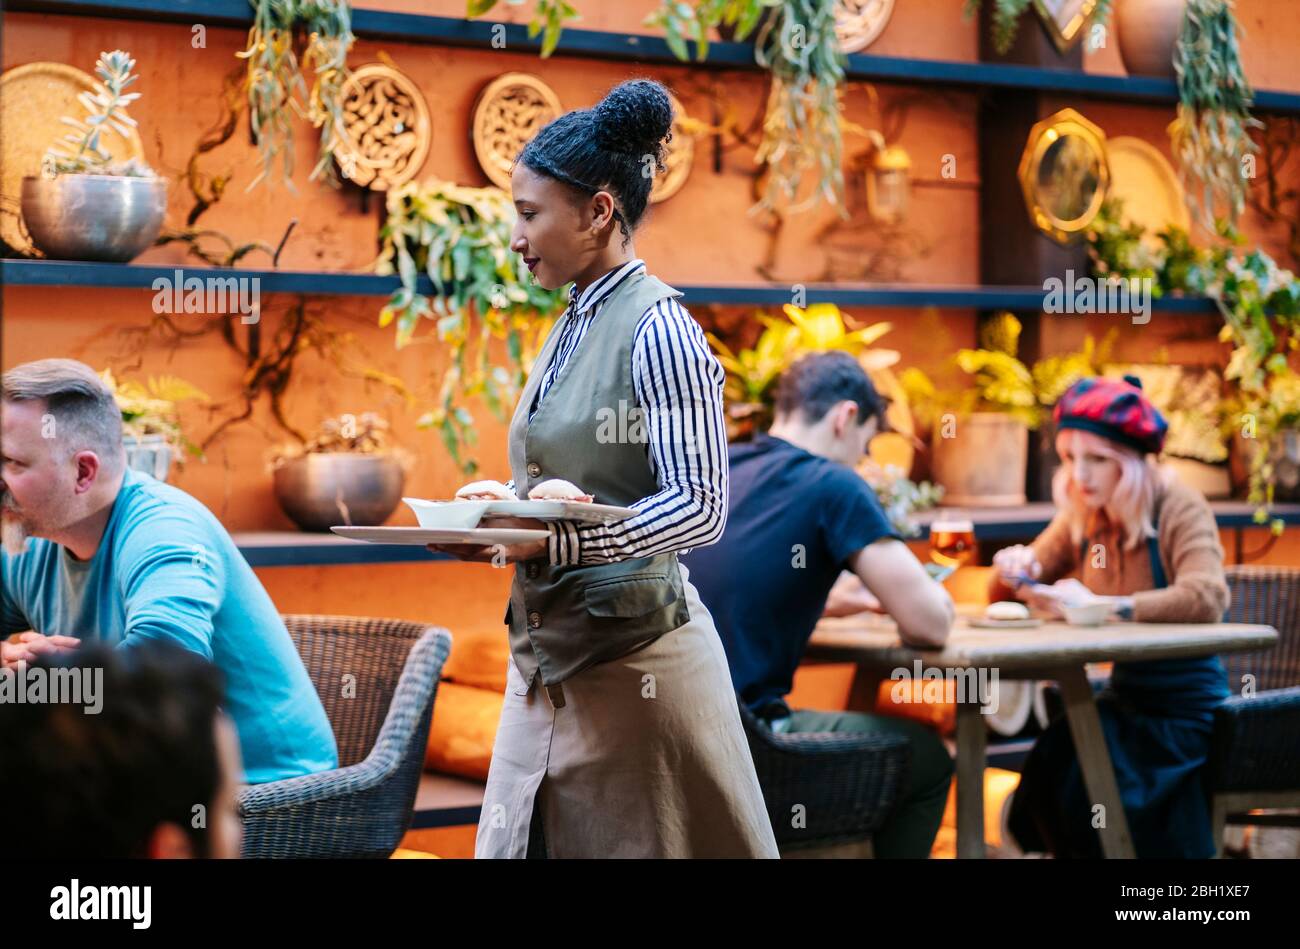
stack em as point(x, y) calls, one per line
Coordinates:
point(1053, 599)
point(500, 554)
point(1015, 563)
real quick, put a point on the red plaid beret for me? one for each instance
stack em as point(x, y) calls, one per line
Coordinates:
point(1113, 408)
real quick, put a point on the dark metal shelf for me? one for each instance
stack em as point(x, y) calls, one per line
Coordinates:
point(641, 48)
point(300, 549)
point(57, 273)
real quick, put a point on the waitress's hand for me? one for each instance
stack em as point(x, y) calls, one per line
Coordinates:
point(500, 554)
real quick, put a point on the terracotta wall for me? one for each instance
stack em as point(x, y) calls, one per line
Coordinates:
point(703, 235)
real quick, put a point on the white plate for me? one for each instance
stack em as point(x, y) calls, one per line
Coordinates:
point(981, 622)
point(419, 536)
point(559, 510)
point(444, 515)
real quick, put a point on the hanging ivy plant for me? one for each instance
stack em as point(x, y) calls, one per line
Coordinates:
point(277, 90)
point(797, 44)
point(1211, 135)
point(460, 238)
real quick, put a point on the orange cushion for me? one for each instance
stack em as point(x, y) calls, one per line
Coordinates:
point(930, 702)
point(478, 657)
point(463, 729)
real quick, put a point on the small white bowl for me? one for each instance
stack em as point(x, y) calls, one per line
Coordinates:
point(1089, 613)
point(439, 515)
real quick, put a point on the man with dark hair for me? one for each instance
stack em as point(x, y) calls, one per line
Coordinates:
point(150, 771)
point(798, 516)
point(95, 550)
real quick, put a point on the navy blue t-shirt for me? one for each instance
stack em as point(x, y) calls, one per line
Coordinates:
point(794, 521)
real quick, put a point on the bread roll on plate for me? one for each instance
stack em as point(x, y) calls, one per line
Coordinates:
point(557, 489)
point(1003, 610)
point(485, 491)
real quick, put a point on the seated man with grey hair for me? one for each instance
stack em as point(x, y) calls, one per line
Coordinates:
point(94, 550)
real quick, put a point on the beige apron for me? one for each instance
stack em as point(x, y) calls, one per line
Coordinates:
point(646, 758)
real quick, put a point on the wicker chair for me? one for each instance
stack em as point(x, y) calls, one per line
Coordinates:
point(846, 784)
point(390, 669)
point(1255, 750)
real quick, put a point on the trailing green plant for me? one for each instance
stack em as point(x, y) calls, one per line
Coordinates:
point(797, 44)
point(1005, 22)
point(1260, 305)
point(899, 496)
point(81, 151)
point(460, 238)
point(549, 18)
point(276, 87)
point(1211, 133)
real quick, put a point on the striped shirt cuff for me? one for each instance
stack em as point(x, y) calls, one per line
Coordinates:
point(564, 547)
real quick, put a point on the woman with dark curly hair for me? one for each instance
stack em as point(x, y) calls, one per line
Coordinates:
point(620, 734)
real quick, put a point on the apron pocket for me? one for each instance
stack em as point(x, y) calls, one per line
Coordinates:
point(631, 596)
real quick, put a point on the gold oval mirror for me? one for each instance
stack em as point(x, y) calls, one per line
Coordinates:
point(1064, 174)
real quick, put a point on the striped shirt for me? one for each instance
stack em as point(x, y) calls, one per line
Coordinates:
point(678, 387)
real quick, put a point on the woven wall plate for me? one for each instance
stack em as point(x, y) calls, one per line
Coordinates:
point(387, 130)
point(33, 100)
point(677, 162)
point(509, 111)
point(859, 22)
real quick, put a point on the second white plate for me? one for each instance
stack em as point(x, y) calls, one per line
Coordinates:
point(419, 536)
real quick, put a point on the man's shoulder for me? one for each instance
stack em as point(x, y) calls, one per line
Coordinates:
point(150, 502)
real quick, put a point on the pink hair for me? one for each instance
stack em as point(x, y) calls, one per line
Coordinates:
point(1132, 502)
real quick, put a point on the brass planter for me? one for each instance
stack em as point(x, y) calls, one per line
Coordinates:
point(324, 489)
point(93, 217)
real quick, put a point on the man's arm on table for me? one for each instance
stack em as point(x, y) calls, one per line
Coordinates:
point(921, 607)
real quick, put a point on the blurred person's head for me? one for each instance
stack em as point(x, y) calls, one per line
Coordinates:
point(61, 446)
point(1108, 437)
point(582, 184)
point(152, 775)
point(826, 405)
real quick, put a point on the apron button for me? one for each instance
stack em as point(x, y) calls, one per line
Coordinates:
point(532, 570)
point(534, 619)
point(534, 469)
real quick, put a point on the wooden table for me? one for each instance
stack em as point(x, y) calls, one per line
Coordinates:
point(1051, 651)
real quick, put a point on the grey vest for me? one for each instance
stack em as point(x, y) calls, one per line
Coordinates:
point(564, 619)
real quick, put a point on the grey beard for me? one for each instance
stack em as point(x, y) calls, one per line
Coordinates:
point(13, 535)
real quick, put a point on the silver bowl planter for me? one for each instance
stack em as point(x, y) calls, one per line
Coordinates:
point(322, 489)
point(93, 217)
point(148, 453)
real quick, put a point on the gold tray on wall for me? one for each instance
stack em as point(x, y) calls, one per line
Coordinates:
point(33, 101)
point(510, 110)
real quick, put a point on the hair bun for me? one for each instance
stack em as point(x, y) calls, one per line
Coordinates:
point(634, 117)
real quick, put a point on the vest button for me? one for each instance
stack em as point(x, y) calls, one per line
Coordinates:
point(534, 469)
point(534, 619)
point(532, 570)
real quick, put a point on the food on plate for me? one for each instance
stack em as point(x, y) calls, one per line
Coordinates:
point(557, 489)
point(1005, 610)
point(485, 491)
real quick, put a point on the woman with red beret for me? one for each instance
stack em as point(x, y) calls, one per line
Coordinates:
point(1126, 531)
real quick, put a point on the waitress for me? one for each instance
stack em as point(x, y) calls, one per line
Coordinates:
point(620, 735)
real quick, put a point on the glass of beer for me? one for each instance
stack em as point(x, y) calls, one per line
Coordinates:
point(952, 539)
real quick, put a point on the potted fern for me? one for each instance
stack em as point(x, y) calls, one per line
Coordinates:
point(151, 428)
point(85, 205)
